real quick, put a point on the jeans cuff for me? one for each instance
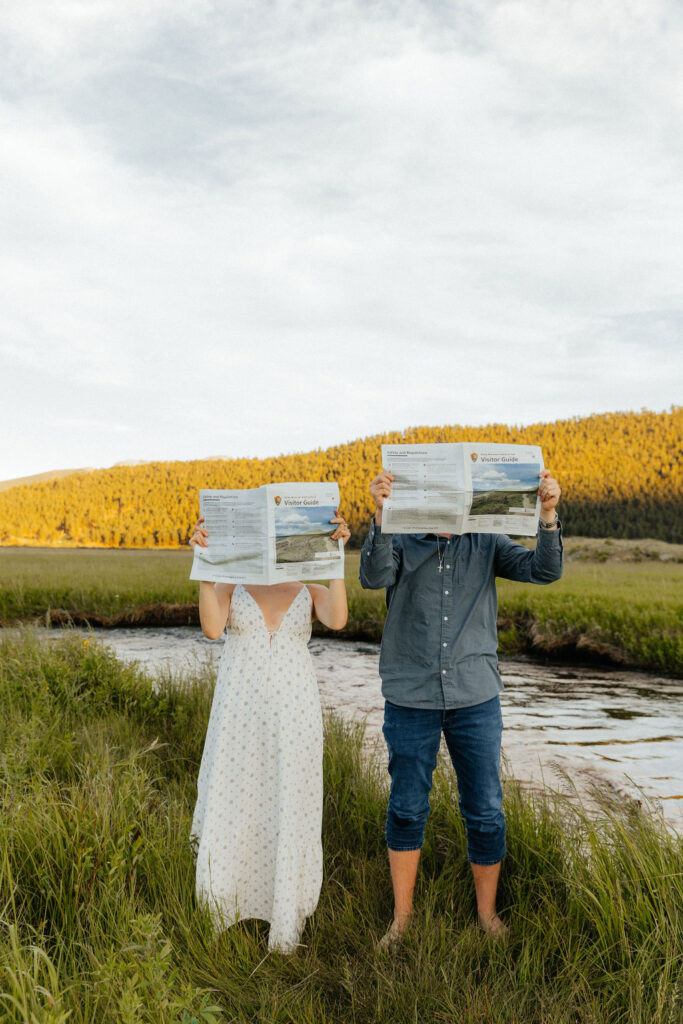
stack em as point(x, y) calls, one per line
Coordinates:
point(485, 862)
point(404, 849)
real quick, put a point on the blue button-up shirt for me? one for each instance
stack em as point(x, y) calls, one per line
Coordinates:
point(440, 640)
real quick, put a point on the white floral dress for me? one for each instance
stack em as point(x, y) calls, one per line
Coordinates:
point(259, 793)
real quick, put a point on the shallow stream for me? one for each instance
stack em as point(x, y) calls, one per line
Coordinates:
point(603, 728)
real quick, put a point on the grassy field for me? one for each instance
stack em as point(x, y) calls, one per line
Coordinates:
point(100, 925)
point(103, 581)
point(618, 601)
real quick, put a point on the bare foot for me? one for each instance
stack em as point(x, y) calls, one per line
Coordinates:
point(396, 933)
point(492, 926)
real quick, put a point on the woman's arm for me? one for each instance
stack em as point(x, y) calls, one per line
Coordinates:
point(214, 607)
point(214, 598)
point(329, 603)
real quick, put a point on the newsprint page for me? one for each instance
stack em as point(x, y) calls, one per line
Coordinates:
point(462, 488)
point(269, 534)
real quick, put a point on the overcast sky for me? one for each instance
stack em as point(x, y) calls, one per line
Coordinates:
point(246, 228)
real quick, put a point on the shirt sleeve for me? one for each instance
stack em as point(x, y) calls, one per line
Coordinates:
point(542, 565)
point(379, 559)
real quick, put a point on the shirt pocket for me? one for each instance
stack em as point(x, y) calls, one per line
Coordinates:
point(473, 570)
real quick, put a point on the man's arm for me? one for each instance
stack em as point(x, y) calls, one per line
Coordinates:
point(379, 558)
point(542, 565)
point(545, 563)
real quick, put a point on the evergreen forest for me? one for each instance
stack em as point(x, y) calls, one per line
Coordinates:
point(621, 475)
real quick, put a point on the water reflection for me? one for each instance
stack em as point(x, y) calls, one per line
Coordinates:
point(604, 728)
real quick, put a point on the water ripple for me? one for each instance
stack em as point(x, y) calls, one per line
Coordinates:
point(558, 721)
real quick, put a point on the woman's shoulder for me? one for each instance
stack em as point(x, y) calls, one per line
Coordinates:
point(226, 588)
point(315, 589)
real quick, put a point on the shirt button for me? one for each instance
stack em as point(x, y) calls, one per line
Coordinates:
point(445, 591)
point(445, 645)
point(443, 671)
point(448, 566)
point(445, 618)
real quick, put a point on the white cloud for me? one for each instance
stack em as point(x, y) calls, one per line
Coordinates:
point(253, 228)
point(293, 520)
point(504, 478)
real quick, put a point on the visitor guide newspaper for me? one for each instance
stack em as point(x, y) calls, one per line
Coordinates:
point(269, 534)
point(462, 488)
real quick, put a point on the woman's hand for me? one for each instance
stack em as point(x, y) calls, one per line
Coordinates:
point(200, 534)
point(342, 530)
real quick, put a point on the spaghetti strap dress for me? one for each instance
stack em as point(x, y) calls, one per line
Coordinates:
point(258, 816)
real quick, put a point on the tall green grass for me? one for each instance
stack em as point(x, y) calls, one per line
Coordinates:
point(616, 601)
point(105, 582)
point(99, 923)
point(631, 613)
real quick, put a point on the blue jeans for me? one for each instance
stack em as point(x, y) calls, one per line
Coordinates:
point(472, 735)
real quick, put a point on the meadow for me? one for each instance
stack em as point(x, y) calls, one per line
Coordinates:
point(619, 601)
point(100, 925)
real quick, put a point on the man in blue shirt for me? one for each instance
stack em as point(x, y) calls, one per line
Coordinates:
point(439, 672)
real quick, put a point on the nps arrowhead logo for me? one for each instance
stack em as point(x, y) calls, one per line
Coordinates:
point(474, 456)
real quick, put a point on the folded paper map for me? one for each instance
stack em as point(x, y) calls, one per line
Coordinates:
point(462, 488)
point(270, 534)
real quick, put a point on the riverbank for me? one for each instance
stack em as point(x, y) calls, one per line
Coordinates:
point(602, 728)
point(619, 601)
point(101, 926)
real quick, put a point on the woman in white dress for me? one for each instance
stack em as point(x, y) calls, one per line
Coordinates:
point(257, 822)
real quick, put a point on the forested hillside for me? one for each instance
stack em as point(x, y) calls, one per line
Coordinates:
point(621, 475)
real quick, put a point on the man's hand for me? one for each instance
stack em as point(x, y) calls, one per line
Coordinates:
point(380, 488)
point(549, 492)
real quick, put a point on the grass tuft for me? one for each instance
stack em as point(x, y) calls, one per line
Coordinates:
point(99, 922)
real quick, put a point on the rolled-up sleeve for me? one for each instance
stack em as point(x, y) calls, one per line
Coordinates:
point(379, 559)
point(542, 565)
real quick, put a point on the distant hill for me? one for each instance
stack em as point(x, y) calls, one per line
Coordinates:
point(52, 474)
point(133, 462)
point(56, 474)
point(621, 474)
